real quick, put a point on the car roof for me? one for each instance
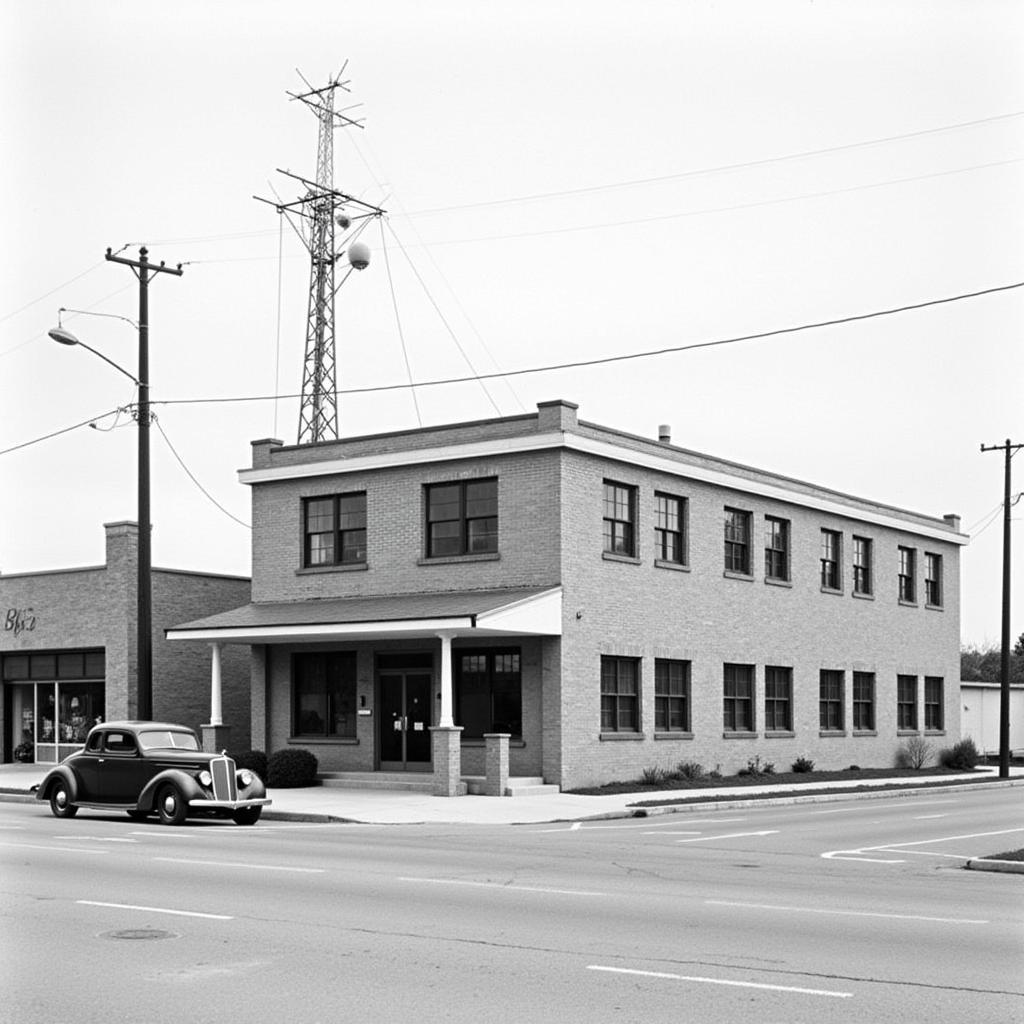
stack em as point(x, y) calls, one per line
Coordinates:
point(137, 726)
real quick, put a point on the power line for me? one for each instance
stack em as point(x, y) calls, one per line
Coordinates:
point(63, 430)
point(604, 360)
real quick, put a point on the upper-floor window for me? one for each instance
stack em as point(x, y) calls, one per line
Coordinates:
point(907, 575)
point(862, 582)
point(776, 548)
point(737, 541)
point(670, 529)
point(831, 542)
point(671, 695)
point(462, 518)
point(619, 518)
point(334, 529)
point(933, 579)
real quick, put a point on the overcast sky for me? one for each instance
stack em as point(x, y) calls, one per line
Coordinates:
point(564, 181)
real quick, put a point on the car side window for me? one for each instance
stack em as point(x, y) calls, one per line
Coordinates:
point(119, 743)
point(95, 743)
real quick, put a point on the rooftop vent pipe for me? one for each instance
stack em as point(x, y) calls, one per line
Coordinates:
point(665, 433)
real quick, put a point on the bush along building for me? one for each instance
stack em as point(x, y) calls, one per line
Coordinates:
point(607, 602)
point(68, 651)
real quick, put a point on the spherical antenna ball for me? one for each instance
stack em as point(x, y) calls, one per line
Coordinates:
point(343, 220)
point(359, 255)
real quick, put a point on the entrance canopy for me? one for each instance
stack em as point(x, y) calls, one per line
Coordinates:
point(533, 612)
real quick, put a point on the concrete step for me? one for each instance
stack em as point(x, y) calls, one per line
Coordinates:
point(414, 782)
point(519, 785)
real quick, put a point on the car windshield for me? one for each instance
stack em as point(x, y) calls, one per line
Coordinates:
point(167, 739)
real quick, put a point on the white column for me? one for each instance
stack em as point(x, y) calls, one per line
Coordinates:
point(446, 680)
point(216, 712)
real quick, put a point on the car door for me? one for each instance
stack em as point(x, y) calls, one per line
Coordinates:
point(122, 771)
point(87, 766)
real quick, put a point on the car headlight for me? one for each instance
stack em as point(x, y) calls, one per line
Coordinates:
point(245, 777)
point(205, 778)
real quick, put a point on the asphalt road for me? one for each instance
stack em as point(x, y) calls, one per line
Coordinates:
point(852, 911)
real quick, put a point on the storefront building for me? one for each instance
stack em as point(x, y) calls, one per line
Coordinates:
point(67, 651)
point(608, 602)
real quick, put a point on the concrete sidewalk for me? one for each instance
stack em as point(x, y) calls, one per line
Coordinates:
point(392, 807)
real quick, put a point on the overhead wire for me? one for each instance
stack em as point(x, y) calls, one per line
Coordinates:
point(398, 323)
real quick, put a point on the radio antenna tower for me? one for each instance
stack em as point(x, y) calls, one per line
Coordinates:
point(315, 216)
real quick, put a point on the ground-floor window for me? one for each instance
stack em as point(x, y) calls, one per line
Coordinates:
point(933, 717)
point(620, 694)
point(738, 698)
point(830, 700)
point(671, 695)
point(906, 702)
point(778, 699)
point(324, 695)
point(864, 701)
point(489, 692)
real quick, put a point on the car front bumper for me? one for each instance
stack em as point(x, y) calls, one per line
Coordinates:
point(231, 805)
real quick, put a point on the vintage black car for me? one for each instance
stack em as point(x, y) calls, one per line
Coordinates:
point(149, 768)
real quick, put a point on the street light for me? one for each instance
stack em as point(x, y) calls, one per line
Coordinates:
point(143, 270)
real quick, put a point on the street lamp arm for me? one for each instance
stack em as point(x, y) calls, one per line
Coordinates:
point(89, 312)
point(135, 380)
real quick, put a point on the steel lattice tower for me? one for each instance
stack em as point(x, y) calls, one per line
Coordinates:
point(319, 212)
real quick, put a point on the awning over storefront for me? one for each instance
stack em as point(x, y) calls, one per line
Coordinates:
point(533, 612)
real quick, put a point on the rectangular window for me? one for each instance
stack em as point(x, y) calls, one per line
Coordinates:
point(776, 549)
point(907, 580)
point(933, 579)
point(619, 519)
point(934, 720)
point(737, 541)
point(864, 701)
point(906, 702)
point(831, 701)
point(778, 699)
point(671, 696)
point(620, 694)
point(324, 695)
point(862, 583)
point(738, 698)
point(334, 529)
point(489, 692)
point(462, 518)
point(831, 554)
point(670, 529)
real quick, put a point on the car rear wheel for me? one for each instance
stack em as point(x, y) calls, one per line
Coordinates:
point(60, 801)
point(171, 806)
point(247, 815)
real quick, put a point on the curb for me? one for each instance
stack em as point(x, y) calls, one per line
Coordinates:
point(1005, 867)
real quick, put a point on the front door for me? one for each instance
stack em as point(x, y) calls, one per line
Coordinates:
point(404, 721)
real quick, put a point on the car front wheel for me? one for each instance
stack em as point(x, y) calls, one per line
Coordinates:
point(247, 815)
point(171, 806)
point(60, 801)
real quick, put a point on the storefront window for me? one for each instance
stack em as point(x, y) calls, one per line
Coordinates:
point(81, 707)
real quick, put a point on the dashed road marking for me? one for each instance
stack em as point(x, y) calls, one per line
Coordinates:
point(843, 913)
point(503, 886)
point(154, 910)
point(722, 981)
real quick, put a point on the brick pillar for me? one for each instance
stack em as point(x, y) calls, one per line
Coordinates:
point(216, 738)
point(496, 760)
point(447, 750)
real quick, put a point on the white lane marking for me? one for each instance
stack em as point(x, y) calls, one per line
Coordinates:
point(168, 833)
point(732, 835)
point(844, 913)
point(12, 828)
point(860, 853)
point(502, 886)
point(722, 981)
point(647, 823)
point(97, 839)
point(231, 864)
point(154, 910)
point(928, 817)
point(55, 849)
point(696, 833)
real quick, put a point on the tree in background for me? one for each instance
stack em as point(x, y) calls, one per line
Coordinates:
point(982, 664)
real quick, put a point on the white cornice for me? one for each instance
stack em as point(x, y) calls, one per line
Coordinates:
point(833, 504)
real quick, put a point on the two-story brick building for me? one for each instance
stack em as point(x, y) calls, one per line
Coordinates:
point(612, 602)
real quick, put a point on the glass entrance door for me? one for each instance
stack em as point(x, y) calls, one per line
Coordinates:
point(404, 721)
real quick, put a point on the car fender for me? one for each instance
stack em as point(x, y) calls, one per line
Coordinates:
point(187, 784)
point(60, 773)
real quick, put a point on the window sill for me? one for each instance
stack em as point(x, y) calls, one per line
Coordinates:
point(865, 732)
point(935, 732)
point(862, 596)
point(908, 732)
point(324, 741)
point(483, 556)
point(675, 735)
point(677, 566)
point(743, 735)
point(935, 607)
point(614, 736)
point(907, 604)
point(313, 570)
point(832, 733)
point(780, 734)
point(611, 556)
point(730, 575)
point(835, 591)
point(773, 581)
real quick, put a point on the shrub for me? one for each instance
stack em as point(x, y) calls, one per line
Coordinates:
point(291, 768)
point(915, 753)
point(692, 771)
point(653, 776)
point(756, 767)
point(254, 760)
point(963, 757)
point(716, 772)
point(803, 764)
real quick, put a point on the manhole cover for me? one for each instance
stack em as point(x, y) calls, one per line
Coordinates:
point(139, 933)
